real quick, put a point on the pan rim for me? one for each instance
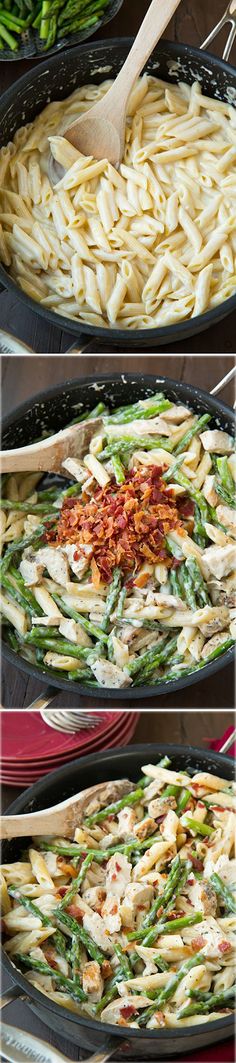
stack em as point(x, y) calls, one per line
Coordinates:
point(166, 333)
point(37, 996)
point(134, 693)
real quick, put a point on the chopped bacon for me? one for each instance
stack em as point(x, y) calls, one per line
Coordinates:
point(186, 507)
point(197, 864)
point(62, 890)
point(125, 524)
point(76, 912)
point(51, 959)
point(224, 947)
point(118, 867)
point(127, 1011)
point(198, 943)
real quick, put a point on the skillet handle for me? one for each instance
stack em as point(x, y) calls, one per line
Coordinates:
point(43, 700)
point(228, 16)
point(222, 383)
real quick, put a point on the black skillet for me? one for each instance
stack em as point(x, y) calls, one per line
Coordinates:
point(52, 411)
point(102, 1039)
point(62, 74)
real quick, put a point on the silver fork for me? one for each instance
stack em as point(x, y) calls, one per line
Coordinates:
point(228, 16)
point(70, 721)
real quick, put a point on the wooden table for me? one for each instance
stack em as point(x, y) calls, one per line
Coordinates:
point(191, 24)
point(31, 376)
point(185, 729)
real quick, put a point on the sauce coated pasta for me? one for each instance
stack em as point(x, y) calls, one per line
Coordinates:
point(126, 577)
point(148, 245)
point(133, 921)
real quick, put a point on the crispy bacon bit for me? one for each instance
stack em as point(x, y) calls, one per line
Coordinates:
point(224, 947)
point(76, 912)
point(127, 1011)
point(118, 867)
point(126, 524)
point(198, 943)
point(186, 507)
point(197, 864)
point(62, 891)
point(50, 958)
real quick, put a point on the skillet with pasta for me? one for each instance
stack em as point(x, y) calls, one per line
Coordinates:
point(133, 921)
point(148, 245)
point(127, 576)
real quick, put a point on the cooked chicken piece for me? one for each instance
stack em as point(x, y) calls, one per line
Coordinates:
point(111, 914)
point(136, 895)
point(177, 413)
point(212, 937)
point(121, 652)
point(118, 874)
point(83, 837)
point(203, 897)
point(226, 515)
point(78, 565)
point(31, 568)
point(74, 632)
point(53, 559)
point(142, 427)
point(160, 806)
point(212, 644)
point(92, 981)
point(96, 928)
point(217, 442)
point(127, 821)
point(94, 897)
point(223, 593)
point(212, 619)
point(209, 490)
point(143, 829)
point(108, 675)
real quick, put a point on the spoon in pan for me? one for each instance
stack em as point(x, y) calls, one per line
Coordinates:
point(101, 131)
point(62, 819)
point(50, 454)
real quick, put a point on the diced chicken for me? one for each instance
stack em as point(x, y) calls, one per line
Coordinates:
point(177, 413)
point(92, 981)
point(212, 644)
point(74, 632)
point(31, 568)
point(212, 619)
point(126, 821)
point(53, 559)
point(160, 806)
point(80, 565)
point(224, 592)
point(211, 936)
point(144, 828)
point(111, 915)
point(227, 516)
point(137, 895)
point(108, 675)
point(95, 926)
point(217, 442)
point(94, 897)
point(203, 897)
point(209, 490)
point(118, 874)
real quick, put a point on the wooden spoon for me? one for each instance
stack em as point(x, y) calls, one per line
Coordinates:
point(49, 454)
point(63, 818)
point(101, 131)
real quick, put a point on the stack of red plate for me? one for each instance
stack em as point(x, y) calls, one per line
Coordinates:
point(30, 748)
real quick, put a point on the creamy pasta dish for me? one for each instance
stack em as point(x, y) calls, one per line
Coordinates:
point(127, 576)
point(133, 922)
point(146, 245)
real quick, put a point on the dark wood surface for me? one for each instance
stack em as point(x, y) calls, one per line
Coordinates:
point(23, 377)
point(185, 728)
point(191, 24)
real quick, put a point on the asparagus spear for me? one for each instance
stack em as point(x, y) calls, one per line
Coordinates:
point(77, 882)
point(216, 1000)
point(224, 893)
point(175, 883)
point(168, 927)
point(112, 598)
point(168, 991)
point(120, 603)
point(197, 579)
point(58, 937)
point(92, 629)
point(145, 408)
point(191, 432)
point(124, 962)
point(199, 828)
point(72, 987)
point(113, 809)
point(118, 469)
point(183, 799)
point(93, 950)
point(164, 897)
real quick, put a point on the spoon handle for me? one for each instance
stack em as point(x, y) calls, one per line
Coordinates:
point(35, 823)
point(154, 23)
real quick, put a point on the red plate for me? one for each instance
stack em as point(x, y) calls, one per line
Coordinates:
point(28, 777)
point(115, 735)
point(30, 739)
point(94, 740)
